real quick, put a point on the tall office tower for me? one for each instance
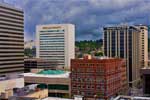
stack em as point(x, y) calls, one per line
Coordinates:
point(11, 39)
point(143, 39)
point(56, 43)
point(127, 42)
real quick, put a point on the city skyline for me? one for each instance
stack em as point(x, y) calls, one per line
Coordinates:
point(89, 16)
point(41, 58)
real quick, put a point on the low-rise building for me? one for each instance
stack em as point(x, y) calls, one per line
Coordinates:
point(123, 97)
point(98, 78)
point(77, 97)
point(27, 93)
point(8, 84)
point(145, 72)
point(57, 81)
point(148, 62)
point(38, 63)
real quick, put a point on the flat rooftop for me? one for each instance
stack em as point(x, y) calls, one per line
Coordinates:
point(49, 74)
point(55, 98)
point(10, 78)
point(8, 5)
point(25, 90)
point(76, 97)
point(122, 97)
point(145, 70)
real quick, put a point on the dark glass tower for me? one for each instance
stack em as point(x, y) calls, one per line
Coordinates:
point(127, 42)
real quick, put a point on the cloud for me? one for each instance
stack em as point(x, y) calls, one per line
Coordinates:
point(89, 16)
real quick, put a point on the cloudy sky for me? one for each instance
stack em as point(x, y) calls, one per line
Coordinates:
point(89, 16)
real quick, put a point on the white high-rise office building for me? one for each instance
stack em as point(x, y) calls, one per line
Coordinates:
point(56, 43)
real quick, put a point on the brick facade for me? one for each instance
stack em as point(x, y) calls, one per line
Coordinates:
point(98, 78)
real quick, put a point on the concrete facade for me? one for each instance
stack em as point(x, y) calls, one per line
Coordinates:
point(50, 80)
point(11, 39)
point(56, 43)
point(7, 86)
point(143, 45)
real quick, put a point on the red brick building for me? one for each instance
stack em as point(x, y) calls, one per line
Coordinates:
point(98, 78)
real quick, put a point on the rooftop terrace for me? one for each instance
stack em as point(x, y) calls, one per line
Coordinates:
point(51, 72)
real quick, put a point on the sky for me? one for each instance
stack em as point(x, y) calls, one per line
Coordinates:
point(89, 16)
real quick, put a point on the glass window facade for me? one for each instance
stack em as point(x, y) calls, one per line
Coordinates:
point(122, 43)
point(113, 43)
point(105, 42)
point(52, 45)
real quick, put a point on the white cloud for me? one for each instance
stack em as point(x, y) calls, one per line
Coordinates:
point(28, 36)
point(87, 15)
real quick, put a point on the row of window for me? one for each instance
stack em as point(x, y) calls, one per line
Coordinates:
point(54, 86)
point(101, 87)
point(50, 38)
point(53, 59)
point(51, 34)
point(53, 31)
point(100, 71)
point(90, 64)
point(53, 43)
point(51, 53)
point(43, 40)
point(89, 80)
point(51, 48)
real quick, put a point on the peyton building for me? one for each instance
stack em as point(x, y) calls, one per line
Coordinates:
point(95, 78)
point(56, 43)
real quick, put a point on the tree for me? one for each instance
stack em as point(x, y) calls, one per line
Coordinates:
point(99, 54)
